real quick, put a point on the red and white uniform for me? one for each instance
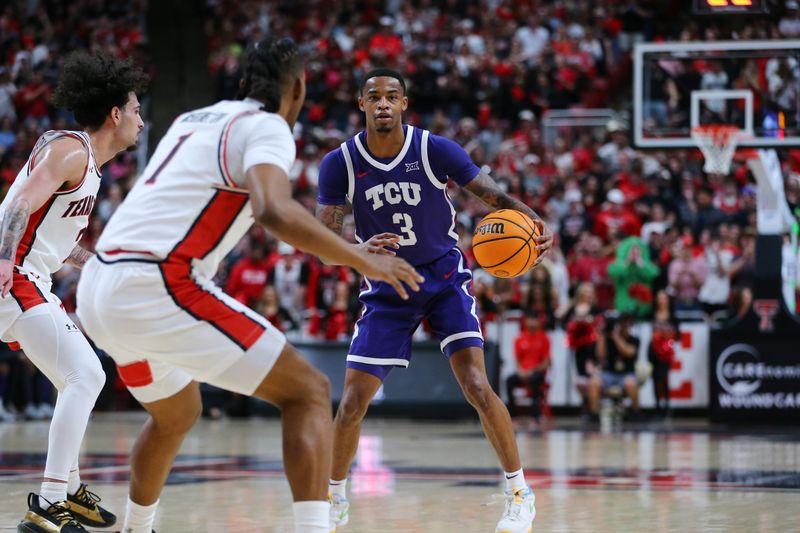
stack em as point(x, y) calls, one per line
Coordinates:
point(52, 233)
point(32, 317)
point(148, 299)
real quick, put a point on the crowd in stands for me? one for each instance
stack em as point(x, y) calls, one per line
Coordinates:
point(632, 228)
point(483, 73)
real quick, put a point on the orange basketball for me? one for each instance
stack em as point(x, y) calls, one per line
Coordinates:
point(504, 243)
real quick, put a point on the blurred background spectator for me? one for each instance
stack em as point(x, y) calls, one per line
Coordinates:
point(525, 387)
point(661, 352)
point(583, 324)
point(616, 352)
point(633, 274)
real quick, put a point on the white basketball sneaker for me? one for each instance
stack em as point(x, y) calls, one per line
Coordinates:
point(340, 510)
point(519, 513)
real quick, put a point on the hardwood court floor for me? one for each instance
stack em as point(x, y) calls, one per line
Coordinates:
point(440, 477)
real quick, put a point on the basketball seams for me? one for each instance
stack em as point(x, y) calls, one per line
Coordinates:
point(530, 231)
point(525, 241)
point(500, 239)
point(523, 245)
point(522, 215)
point(512, 256)
point(525, 264)
point(533, 227)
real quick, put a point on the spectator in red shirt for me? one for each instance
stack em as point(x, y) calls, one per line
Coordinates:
point(616, 218)
point(249, 275)
point(339, 320)
point(727, 200)
point(582, 154)
point(592, 267)
point(33, 100)
point(386, 43)
point(631, 183)
point(532, 353)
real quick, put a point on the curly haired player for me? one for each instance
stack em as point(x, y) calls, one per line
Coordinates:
point(43, 217)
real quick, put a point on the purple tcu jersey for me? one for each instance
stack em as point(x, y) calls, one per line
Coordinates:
point(406, 194)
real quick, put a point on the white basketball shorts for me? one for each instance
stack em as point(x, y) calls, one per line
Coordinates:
point(164, 331)
point(27, 291)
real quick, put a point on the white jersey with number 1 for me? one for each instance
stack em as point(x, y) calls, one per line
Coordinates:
point(190, 205)
point(148, 299)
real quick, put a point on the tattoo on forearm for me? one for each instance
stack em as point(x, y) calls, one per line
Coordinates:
point(332, 216)
point(79, 256)
point(487, 191)
point(14, 223)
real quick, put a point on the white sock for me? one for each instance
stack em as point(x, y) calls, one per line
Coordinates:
point(74, 482)
point(52, 491)
point(338, 487)
point(139, 518)
point(309, 517)
point(515, 480)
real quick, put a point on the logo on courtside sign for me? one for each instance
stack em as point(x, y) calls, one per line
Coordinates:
point(766, 311)
point(741, 372)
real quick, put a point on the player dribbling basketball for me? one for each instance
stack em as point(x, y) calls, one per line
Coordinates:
point(395, 176)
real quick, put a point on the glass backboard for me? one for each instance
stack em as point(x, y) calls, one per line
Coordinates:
point(753, 85)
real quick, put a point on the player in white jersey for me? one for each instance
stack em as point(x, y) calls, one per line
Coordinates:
point(44, 216)
point(148, 298)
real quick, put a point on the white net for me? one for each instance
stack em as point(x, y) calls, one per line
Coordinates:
point(718, 144)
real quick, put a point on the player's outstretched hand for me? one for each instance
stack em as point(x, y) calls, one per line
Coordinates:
point(394, 271)
point(544, 241)
point(379, 244)
point(6, 276)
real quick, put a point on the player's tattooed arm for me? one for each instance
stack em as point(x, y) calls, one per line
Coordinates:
point(14, 223)
point(332, 216)
point(487, 191)
point(12, 228)
point(79, 256)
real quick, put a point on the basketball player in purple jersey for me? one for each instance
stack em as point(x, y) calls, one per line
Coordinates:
point(395, 177)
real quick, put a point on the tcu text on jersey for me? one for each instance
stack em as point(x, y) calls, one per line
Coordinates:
point(393, 193)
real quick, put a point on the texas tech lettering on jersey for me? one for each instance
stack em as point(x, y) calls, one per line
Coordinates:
point(79, 208)
point(55, 228)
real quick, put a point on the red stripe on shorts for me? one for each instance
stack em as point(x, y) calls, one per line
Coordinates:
point(136, 374)
point(205, 234)
point(26, 293)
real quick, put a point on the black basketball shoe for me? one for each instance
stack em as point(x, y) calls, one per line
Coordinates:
point(86, 508)
point(56, 519)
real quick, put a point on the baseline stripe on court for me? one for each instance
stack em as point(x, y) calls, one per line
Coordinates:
point(205, 234)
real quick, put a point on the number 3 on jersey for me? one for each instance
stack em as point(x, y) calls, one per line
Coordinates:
point(409, 237)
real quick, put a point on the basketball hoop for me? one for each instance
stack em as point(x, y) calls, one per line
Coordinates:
point(718, 143)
